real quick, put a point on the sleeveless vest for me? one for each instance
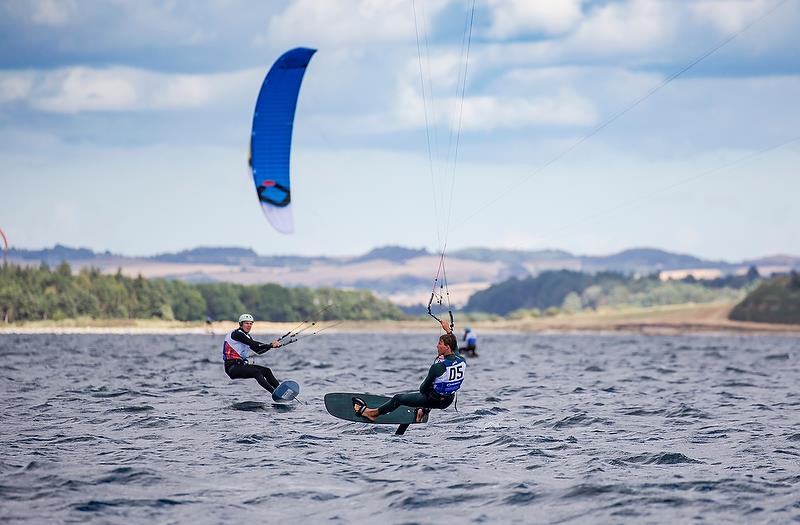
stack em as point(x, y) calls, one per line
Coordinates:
point(234, 349)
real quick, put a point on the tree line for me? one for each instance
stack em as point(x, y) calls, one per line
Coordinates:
point(566, 290)
point(776, 300)
point(41, 293)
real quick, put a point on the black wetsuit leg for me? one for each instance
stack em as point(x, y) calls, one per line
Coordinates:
point(262, 374)
point(414, 399)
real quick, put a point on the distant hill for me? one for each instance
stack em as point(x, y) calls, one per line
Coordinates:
point(776, 300)
point(647, 260)
point(510, 256)
point(55, 255)
point(391, 253)
point(570, 291)
point(545, 290)
point(234, 257)
point(209, 255)
point(635, 260)
point(401, 274)
point(775, 260)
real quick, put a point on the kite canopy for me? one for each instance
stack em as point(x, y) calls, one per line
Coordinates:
point(271, 139)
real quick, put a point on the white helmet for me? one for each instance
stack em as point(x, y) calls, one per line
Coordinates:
point(245, 317)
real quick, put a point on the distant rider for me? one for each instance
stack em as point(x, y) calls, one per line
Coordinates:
point(471, 340)
point(437, 390)
point(236, 348)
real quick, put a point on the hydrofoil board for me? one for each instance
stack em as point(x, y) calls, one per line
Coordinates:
point(340, 404)
point(286, 391)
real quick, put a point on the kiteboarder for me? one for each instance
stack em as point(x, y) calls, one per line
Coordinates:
point(436, 391)
point(236, 348)
point(471, 339)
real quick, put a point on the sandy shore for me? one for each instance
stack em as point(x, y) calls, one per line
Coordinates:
point(672, 320)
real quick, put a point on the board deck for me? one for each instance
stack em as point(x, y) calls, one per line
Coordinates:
point(286, 391)
point(340, 404)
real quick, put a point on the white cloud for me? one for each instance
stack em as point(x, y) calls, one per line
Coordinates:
point(442, 71)
point(615, 30)
point(524, 97)
point(596, 90)
point(16, 85)
point(664, 31)
point(53, 12)
point(489, 113)
point(79, 89)
point(345, 22)
point(563, 106)
point(510, 18)
point(728, 16)
point(634, 27)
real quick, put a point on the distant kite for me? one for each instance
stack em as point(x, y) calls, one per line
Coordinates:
point(5, 246)
point(271, 139)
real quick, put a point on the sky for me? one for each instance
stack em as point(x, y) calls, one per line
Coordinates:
point(124, 125)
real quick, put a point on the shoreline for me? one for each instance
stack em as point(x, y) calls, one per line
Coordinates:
point(669, 320)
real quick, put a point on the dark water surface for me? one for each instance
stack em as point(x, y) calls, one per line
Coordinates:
point(549, 429)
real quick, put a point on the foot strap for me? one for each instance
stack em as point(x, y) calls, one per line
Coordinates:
point(363, 406)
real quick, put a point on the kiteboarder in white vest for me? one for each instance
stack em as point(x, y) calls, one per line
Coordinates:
point(471, 340)
point(236, 348)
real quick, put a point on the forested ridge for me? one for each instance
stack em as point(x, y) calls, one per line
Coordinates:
point(570, 291)
point(41, 293)
point(29, 293)
point(775, 300)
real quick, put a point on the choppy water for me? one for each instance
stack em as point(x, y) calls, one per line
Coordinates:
point(549, 429)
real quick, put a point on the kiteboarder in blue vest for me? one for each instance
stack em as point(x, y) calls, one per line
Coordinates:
point(236, 348)
point(437, 390)
point(471, 339)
